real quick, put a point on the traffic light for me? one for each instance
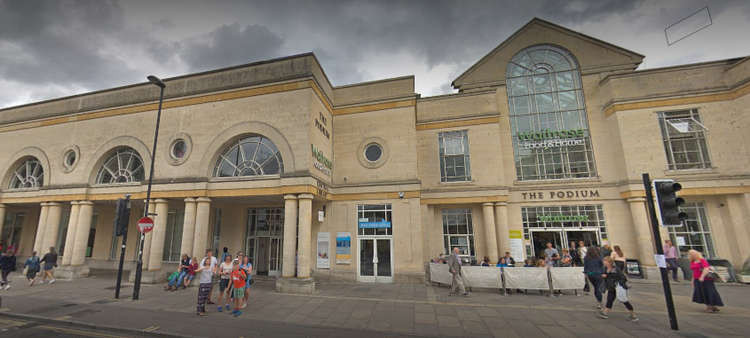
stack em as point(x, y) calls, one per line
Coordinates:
point(668, 203)
point(122, 216)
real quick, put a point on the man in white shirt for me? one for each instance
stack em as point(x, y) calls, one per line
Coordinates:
point(214, 263)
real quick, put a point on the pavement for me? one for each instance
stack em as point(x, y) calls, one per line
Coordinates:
point(341, 309)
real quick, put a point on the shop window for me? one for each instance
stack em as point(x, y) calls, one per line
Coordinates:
point(458, 232)
point(29, 174)
point(374, 219)
point(548, 120)
point(173, 237)
point(695, 232)
point(684, 140)
point(124, 165)
point(454, 156)
point(569, 217)
point(12, 227)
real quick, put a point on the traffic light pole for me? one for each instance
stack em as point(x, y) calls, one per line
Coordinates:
point(660, 251)
point(122, 255)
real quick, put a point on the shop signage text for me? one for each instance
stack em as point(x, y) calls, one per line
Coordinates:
point(563, 218)
point(321, 163)
point(560, 194)
point(374, 225)
point(551, 139)
point(321, 123)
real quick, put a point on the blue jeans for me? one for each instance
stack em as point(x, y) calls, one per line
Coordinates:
point(178, 280)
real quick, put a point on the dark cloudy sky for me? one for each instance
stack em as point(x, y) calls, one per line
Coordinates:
point(50, 49)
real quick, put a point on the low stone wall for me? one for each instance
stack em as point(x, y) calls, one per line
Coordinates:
point(489, 277)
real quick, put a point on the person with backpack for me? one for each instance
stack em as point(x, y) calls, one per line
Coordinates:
point(32, 265)
point(7, 265)
point(616, 286)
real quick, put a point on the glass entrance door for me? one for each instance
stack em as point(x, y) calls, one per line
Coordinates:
point(540, 238)
point(265, 229)
point(375, 260)
point(589, 237)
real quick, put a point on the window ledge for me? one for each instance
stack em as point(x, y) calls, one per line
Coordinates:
point(244, 178)
point(712, 170)
point(471, 182)
point(558, 181)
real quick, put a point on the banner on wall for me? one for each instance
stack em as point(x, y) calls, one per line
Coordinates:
point(343, 248)
point(516, 245)
point(324, 240)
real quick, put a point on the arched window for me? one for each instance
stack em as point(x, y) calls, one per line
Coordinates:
point(123, 165)
point(29, 174)
point(253, 155)
point(551, 137)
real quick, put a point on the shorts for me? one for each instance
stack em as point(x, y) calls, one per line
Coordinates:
point(30, 274)
point(238, 293)
point(48, 266)
point(223, 284)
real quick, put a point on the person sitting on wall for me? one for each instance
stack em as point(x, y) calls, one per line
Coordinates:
point(485, 261)
point(529, 263)
point(566, 260)
point(509, 261)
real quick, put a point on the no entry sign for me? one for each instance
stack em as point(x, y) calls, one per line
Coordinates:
point(145, 224)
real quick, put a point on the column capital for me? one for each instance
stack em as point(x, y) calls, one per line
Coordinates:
point(160, 201)
point(501, 204)
point(636, 199)
point(53, 204)
point(85, 203)
point(290, 197)
point(189, 200)
point(203, 200)
point(305, 196)
point(74, 202)
point(488, 204)
point(2, 206)
point(44, 204)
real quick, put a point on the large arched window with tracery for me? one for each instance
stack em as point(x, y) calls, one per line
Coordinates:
point(252, 155)
point(550, 130)
point(123, 165)
point(29, 174)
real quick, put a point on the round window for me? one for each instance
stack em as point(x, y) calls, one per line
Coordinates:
point(373, 152)
point(70, 158)
point(179, 149)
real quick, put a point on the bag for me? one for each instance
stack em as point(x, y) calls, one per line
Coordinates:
point(622, 293)
point(712, 274)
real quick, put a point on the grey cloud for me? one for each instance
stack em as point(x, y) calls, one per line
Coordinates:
point(230, 45)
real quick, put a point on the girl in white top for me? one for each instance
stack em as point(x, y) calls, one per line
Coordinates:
point(225, 271)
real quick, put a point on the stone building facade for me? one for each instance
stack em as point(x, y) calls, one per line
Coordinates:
point(545, 140)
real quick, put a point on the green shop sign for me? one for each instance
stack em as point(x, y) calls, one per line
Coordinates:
point(546, 134)
point(563, 218)
point(322, 159)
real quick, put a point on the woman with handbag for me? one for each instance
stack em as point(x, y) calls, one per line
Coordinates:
point(616, 286)
point(704, 290)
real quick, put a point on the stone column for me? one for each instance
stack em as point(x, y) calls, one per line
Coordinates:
point(738, 212)
point(642, 228)
point(202, 212)
point(147, 239)
point(490, 233)
point(188, 228)
point(40, 228)
point(501, 224)
point(289, 254)
point(158, 234)
point(54, 212)
point(85, 211)
point(2, 219)
point(304, 236)
point(70, 238)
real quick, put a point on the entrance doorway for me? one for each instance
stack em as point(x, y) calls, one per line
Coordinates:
point(540, 238)
point(265, 229)
point(375, 259)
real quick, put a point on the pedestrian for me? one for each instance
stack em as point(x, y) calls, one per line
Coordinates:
point(581, 252)
point(593, 268)
point(704, 290)
point(172, 281)
point(32, 266)
point(205, 273)
point(191, 272)
point(551, 255)
point(7, 265)
point(225, 253)
point(50, 263)
point(239, 280)
point(605, 250)
point(619, 258)
point(509, 261)
point(573, 253)
point(247, 266)
point(225, 273)
point(213, 263)
point(670, 255)
point(615, 282)
point(184, 267)
point(454, 267)
point(566, 260)
point(485, 261)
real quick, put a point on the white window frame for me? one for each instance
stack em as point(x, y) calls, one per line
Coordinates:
point(672, 135)
point(460, 214)
point(446, 157)
point(704, 234)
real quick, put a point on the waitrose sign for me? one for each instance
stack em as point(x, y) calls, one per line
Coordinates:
point(551, 139)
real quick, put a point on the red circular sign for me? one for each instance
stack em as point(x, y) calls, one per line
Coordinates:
point(145, 224)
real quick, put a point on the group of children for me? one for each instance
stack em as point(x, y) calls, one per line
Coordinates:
point(234, 280)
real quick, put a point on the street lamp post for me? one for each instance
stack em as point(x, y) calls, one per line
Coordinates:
point(139, 267)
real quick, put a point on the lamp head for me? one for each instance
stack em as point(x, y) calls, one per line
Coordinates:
point(156, 81)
